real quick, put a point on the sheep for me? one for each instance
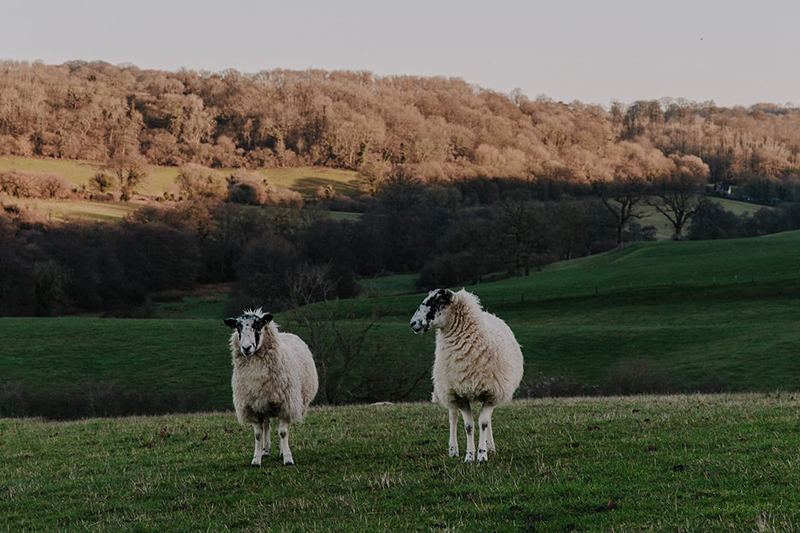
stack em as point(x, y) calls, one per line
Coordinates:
point(273, 377)
point(477, 359)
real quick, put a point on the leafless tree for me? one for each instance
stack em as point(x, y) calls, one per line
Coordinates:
point(524, 225)
point(678, 196)
point(130, 173)
point(339, 341)
point(624, 198)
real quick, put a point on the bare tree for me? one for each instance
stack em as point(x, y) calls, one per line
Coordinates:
point(130, 173)
point(678, 196)
point(526, 228)
point(339, 342)
point(624, 198)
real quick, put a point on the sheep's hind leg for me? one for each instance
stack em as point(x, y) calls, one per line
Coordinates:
point(283, 432)
point(469, 429)
point(257, 429)
point(453, 432)
point(485, 421)
point(266, 442)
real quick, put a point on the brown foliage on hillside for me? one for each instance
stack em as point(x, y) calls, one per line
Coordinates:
point(444, 128)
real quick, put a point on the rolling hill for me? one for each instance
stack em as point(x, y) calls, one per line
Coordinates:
point(663, 316)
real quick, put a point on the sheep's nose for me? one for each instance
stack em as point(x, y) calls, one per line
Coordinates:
point(247, 350)
point(415, 327)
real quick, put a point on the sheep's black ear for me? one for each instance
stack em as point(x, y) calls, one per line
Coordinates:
point(263, 321)
point(447, 295)
point(231, 322)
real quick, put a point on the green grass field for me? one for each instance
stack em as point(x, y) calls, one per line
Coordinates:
point(160, 179)
point(665, 230)
point(206, 302)
point(390, 285)
point(305, 180)
point(651, 464)
point(64, 210)
point(706, 315)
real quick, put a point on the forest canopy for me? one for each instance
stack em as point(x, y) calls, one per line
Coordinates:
point(444, 129)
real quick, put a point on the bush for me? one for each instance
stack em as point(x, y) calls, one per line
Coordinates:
point(35, 185)
point(283, 197)
point(347, 204)
point(712, 221)
point(19, 146)
point(101, 183)
point(261, 274)
point(247, 188)
point(195, 181)
point(448, 270)
point(638, 233)
point(250, 188)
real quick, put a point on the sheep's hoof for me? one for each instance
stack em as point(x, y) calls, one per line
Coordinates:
point(491, 449)
point(453, 451)
point(482, 456)
point(469, 457)
point(288, 462)
point(255, 464)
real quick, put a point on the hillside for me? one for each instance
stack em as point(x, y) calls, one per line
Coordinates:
point(443, 128)
point(674, 463)
point(160, 180)
point(671, 316)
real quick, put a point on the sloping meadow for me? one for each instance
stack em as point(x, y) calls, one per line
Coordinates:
point(652, 318)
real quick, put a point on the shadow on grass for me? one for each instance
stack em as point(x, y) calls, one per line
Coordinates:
point(94, 399)
point(307, 186)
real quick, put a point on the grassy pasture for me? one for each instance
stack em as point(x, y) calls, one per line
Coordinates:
point(160, 179)
point(390, 285)
point(722, 314)
point(664, 228)
point(206, 302)
point(304, 180)
point(651, 464)
point(64, 210)
point(78, 172)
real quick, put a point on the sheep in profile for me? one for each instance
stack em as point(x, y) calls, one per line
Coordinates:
point(477, 360)
point(273, 377)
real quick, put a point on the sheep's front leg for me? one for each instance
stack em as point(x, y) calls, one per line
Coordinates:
point(257, 429)
point(283, 432)
point(485, 421)
point(490, 447)
point(469, 428)
point(453, 432)
point(266, 439)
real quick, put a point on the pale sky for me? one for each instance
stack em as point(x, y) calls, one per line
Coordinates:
point(732, 52)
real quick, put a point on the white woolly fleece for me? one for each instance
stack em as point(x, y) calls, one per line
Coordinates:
point(278, 380)
point(477, 356)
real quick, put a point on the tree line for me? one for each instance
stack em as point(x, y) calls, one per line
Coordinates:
point(444, 128)
point(462, 233)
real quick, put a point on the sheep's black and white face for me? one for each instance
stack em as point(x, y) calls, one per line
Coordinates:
point(249, 328)
point(430, 311)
